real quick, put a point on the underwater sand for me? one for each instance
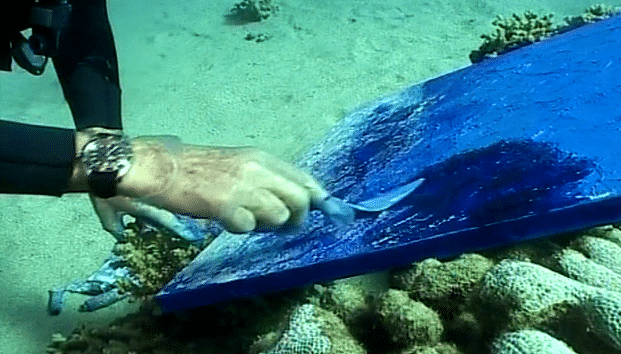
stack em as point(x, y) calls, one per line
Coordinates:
point(185, 72)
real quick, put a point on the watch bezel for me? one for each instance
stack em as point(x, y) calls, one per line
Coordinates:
point(106, 158)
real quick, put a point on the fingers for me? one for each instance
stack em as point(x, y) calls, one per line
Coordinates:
point(294, 174)
point(243, 188)
point(279, 203)
point(108, 216)
point(295, 198)
point(240, 220)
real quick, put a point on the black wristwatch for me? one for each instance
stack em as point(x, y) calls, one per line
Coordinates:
point(107, 158)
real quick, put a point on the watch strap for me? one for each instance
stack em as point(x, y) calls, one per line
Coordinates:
point(103, 184)
point(106, 158)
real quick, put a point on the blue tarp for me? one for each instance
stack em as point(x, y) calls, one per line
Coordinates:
point(512, 148)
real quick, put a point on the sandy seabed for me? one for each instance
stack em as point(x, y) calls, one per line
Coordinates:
point(184, 71)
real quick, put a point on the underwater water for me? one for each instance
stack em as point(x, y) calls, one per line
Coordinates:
point(278, 84)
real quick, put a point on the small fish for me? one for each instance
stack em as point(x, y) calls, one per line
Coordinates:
point(342, 213)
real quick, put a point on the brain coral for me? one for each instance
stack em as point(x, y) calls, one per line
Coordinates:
point(304, 335)
point(529, 341)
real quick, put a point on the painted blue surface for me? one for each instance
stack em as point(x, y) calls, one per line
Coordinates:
point(513, 148)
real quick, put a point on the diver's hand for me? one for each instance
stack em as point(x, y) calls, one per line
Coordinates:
point(243, 188)
point(111, 212)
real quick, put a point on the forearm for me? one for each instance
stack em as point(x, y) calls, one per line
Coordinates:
point(35, 159)
point(87, 67)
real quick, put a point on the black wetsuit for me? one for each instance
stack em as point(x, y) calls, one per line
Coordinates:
point(39, 159)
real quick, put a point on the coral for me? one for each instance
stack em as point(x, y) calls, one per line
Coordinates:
point(592, 14)
point(530, 295)
point(311, 329)
point(525, 292)
point(608, 232)
point(529, 288)
point(339, 334)
point(600, 251)
point(603, 313)
point(577, 266)
point(251, 11)
point(529, 341)
point(445, 285)
point(154, 256)
point(136, 333)
point(408, 322)
point(466, 331)
point(198, 331)
point(440, 348)
point(547, 296)
point(519, 30)
point(346, 300)
point(513, 32)
point(304, 334)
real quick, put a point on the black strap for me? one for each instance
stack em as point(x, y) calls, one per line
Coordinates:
point(103, 184)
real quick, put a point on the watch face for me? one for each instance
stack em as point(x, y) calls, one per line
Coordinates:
point(107, 153)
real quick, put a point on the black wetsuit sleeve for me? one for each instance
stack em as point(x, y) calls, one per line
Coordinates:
point(39, 160)
point(87, 67)
point(35, 159)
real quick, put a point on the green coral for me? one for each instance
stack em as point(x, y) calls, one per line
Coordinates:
point(592, 14)
point(154, 256)
point(346, 300)
point(519, 30)
point(408, 322)
point(445, 285)
point(514, 32)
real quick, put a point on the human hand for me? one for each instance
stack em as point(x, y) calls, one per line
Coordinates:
point(111, 213)
point(242, 188)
